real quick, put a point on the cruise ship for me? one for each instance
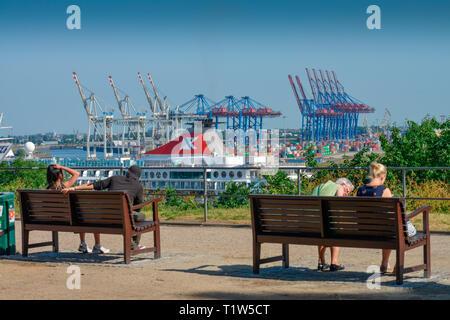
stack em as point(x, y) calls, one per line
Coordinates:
point(180, 164)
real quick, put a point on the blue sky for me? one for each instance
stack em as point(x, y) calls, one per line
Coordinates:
point(219, 48)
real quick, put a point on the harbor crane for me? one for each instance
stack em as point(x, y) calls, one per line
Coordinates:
point(132, 123)
point(331, 113)
point(100, 124)
point(161, 120)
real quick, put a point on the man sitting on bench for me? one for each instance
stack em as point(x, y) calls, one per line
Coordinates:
point(341, 188)
point(129, 183)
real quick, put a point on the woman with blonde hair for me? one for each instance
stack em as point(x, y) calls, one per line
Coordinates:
point(375, 188)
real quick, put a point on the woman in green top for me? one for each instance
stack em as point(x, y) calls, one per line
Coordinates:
point(341, 188)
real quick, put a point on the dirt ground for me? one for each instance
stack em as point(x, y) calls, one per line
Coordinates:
point(211, 262)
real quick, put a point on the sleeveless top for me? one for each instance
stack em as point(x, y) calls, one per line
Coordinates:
point(328, 188)
point(370, 191)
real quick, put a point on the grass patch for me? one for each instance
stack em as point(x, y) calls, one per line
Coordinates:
point(438, 222)
point(223, 215)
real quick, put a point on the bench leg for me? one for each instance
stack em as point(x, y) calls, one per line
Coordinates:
point(256, 256)
point(127, 248)
point(55, 241)
point(157, 242)
point(25, 240)
point(285, 255)
point(427, 259)
point(400, 265)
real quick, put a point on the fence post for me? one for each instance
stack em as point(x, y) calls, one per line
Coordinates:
point(404, 187)
point(205, 197)
point(299, 182)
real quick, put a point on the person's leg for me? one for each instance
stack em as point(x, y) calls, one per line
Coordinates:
point(137, 216)
point(322, 265)
point(334, 260)
point(385, 253)
point(334, 255)
point(83, 246)
point(322, 250)
point(98, 248)
point(97, 239)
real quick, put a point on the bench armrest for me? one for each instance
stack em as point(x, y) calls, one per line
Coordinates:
point(425, 210)
point(155, 210)
point(143, 204)
point(415, 213)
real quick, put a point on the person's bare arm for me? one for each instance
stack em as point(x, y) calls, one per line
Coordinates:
point(74, 175)
point(386, 193)
point(86, 186)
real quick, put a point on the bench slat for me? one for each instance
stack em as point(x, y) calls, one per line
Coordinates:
point(51, 209)
point(59, 204)
point(363, 226)
point(99, 221)
point(361, 207)
point(374, 215)
point(289, 211)
point(266, 223)
point(48, 214)
point(374, 233)
point(92, 196)
point(289, 206)
point(288, 217)
point(96, 204)
point(99, 216)
point(291, 229)
point(361, 221)
point(47, 218)
point(97, 211)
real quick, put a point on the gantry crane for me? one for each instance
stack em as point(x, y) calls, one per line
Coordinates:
point(100, 124)
point(132, 123)
point(331, 113)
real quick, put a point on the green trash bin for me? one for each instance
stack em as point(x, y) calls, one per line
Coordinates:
point(7, 218)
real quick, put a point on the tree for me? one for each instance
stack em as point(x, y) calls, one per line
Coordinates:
point(420, 145)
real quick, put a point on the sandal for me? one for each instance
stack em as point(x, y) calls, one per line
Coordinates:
point(385, 269)
point(336, 267)
point(322, 266)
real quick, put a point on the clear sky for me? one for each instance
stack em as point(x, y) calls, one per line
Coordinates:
point(219, 48)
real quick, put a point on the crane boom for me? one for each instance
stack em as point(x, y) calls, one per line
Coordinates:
point(303, 93)
point(116, 94)
point(296, 94)
point(325, 83)
point(319, 87)
point(83, 97)
point(313, 87)
point(149, 99)
point(332, 85)
point(337, 84)
point(158, 99)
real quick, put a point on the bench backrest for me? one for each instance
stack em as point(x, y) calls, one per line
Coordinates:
point(76, 208)
point(368, 218)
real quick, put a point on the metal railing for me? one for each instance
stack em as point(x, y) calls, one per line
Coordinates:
point(204, 193)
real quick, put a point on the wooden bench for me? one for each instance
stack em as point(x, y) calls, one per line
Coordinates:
point(357, 222)
point(104, 212)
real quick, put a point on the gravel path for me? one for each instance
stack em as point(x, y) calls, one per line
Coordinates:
point(205, 262)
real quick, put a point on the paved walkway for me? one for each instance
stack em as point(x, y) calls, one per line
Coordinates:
point(202, 262)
